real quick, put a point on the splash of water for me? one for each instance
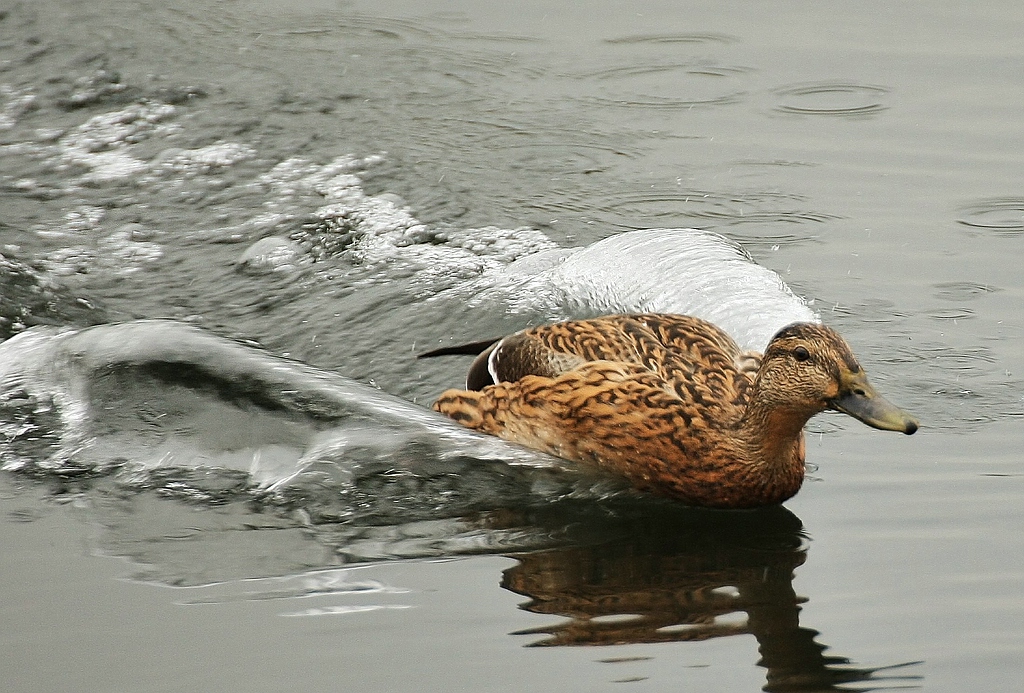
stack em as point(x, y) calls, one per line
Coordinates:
point(161, 394)
point(685, 271)
point(162, 369)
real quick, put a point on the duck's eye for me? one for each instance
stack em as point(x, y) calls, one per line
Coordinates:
point(801, 353)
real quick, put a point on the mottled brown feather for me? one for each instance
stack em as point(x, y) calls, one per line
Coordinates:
point(669, 402)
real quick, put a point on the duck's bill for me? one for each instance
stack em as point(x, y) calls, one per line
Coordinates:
point(864, 404)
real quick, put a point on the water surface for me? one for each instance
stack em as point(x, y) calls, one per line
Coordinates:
point(346, 185)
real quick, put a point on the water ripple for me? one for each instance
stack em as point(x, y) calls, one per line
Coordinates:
point(962, 291)
point(672, 85)
point(1002, 215)
point(695, 38)
point(630, 71)
point(948, 358)
point(951, 313)
point(955, 388)
point(843, 99)
point(654, 101)
point(675, 207)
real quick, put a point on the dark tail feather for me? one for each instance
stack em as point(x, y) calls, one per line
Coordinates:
point(473, 349)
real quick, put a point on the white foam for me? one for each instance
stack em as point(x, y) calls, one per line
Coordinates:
point(13, 104)
point(685, 271)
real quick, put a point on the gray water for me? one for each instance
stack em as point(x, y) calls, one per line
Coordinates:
point(346, 185)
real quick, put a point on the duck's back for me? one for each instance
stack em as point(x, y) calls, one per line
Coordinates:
point(697, 361)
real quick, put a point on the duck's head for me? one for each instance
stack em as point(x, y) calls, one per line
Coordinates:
point(808, 367)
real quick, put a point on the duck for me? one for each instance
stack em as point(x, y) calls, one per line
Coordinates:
point(670, 403)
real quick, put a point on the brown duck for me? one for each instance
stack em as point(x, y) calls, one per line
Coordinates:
point(670, 402)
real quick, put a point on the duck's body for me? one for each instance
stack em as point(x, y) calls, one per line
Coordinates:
point(669, 402)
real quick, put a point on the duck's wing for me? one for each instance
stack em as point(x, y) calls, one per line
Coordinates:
point(549, 350)
point(552, 350)
point(517, 356)
point(507, 359)
point(681, 349)
point(696, 359)
point(698, 353)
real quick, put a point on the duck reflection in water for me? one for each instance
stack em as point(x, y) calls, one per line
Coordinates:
point(681, 574)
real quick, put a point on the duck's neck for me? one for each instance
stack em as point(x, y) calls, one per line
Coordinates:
point(774, 436)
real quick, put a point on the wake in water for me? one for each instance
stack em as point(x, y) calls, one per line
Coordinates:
point(155, 394)
point(165, 404)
